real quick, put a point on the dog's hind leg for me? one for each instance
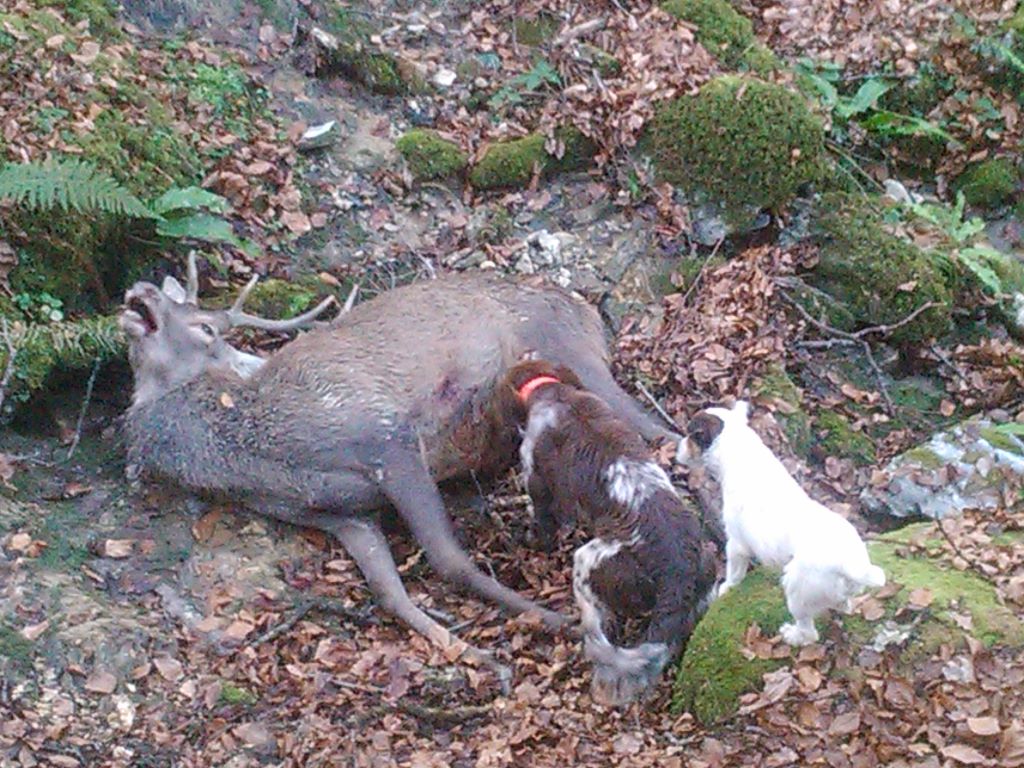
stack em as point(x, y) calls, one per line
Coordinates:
point(806, 594)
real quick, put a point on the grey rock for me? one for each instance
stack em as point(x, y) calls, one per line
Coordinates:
point(969, 466)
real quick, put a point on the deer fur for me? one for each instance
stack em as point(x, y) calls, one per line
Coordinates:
point(370, 412)
point(586, 466)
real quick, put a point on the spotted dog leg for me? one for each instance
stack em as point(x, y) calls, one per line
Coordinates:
point(620, 674)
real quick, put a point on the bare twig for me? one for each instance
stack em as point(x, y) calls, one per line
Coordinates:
point(580, 30)
point(301, 611)
point(655, 404)
point(85, 407)
point(846, 338)
point(971, 562)
point(703, 268)
point(945, 360)
point(9, 365)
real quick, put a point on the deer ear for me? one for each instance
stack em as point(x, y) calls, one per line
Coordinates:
point(173, 290)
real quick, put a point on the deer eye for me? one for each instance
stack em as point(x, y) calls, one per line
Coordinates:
point(207, 329)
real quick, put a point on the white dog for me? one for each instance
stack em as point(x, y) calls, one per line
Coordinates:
point(768, 516)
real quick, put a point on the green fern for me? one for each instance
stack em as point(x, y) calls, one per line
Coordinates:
point(69, 183)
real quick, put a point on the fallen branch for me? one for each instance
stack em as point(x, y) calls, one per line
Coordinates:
point(580, 30)
point(703, 267)
point(957, 552)
point(322, 604)
point(847, 338)
point(656, 405)
point(9, 365)
point(443, 715)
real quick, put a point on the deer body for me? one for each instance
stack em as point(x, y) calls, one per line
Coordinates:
point(369, 412)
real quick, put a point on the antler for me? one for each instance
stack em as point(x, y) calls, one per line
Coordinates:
point(192, 288)
point(238, 318)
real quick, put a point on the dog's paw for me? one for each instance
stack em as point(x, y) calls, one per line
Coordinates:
point(612, 688)
point(724, 587)
point(793, 634)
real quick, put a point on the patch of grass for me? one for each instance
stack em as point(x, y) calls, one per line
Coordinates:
point(15, 649)
point(65, 548)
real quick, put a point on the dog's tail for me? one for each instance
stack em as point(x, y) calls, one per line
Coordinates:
point(646, 660)
point(867, 575)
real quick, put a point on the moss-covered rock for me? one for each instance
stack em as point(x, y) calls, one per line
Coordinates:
point(349, 51)
point(512, 163)
point(837, 437)
point(879, 277)
point(989, 183)
point(715, 672)
point(429, 156)
point(725, 33)
point(740, 142)
point(787, 399)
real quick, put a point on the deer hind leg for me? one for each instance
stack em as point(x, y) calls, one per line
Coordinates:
point(365, 542)
point(412, 491)
point(599, 380)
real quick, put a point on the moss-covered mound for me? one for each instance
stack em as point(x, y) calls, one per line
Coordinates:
point(41, 348)
point(989, 183)
point(740, 142)
point(512, 163)
point(348, 50)
point(787, 400)
point(879, 277)
point(837, 437)
point(429, 156)
point(725, 33)
point(716, 669)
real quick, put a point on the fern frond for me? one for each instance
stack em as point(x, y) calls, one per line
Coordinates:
point(69, 183)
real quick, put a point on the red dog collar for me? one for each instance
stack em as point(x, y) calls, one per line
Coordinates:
point(528, 388)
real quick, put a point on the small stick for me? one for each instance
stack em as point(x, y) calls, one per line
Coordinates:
point(655, 404)
point(703, 267)
point(83, 409)
point(971, 563)
point(12, 352)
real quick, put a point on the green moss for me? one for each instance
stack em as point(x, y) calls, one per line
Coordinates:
point(357, 58)
point(101, 14)
point(989, 183)
point(925, 457)
point(740, 142)
point(952, 590)
point(15, 650)
point(42, 349)
point(536, 31)
point(281, 299)
point(838, 438)
point(512, 163)
point(233, 695)
point(879, 277)
point(1016, 22)
point(429, 156)
point(777, 385)
point(65, 546)
point(714, 673)
point(725, 33)
point(147, 157)
point(1000, 440)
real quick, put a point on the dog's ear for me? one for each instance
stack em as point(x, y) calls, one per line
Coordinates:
point(568, 376)
point(703, 429)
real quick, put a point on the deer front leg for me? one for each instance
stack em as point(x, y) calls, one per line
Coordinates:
point(410, 488)
point(365, 542)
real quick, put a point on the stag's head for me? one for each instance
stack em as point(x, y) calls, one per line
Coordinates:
point(172, 340)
